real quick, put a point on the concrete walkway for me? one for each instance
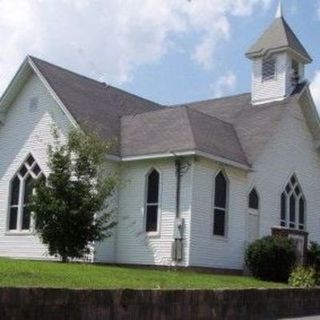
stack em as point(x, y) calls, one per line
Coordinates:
point(304, 318)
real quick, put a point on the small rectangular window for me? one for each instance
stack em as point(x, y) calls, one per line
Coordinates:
point(152, 218)
point(13, 218)
point(283, 209)
point(292, 210)
point(25, 219)
point(219, 222)
point(268, 68)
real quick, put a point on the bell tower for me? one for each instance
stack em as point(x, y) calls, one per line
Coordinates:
point(278, 62)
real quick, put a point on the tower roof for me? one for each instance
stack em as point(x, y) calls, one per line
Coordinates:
point(278, 37)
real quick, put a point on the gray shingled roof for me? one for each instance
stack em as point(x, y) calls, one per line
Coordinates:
point(229, 128)
point(254, 125)
point(179, 129)
point(93, 103)
point(277, 37)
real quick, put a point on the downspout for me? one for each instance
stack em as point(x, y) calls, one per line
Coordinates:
point(177, 245)
point(178, 186)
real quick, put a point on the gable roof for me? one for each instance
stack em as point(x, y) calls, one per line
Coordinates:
point(92, 103)
point(279, 36)
point(229, 130)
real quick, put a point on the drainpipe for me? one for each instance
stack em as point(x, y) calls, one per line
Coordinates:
point(177, 246)
point(178, 175)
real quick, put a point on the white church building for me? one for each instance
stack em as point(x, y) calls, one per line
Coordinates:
point(199, 181)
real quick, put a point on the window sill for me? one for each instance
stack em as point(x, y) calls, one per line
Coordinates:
point(153, 235)
point(19, 233)
point(220, 238)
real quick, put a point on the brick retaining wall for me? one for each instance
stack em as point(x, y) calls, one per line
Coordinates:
point(61, 304)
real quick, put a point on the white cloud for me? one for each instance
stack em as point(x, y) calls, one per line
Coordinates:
point(318, 9)
point(110, 39)
point(224, 85)
point(315, 89)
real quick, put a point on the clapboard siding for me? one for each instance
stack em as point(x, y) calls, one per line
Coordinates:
point(26, 129)
point(277, 88)
point(104, 251)
point(205, 249)
point(133, 244)
point(291, 150)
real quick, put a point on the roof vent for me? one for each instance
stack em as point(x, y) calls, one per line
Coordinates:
point(33, 104)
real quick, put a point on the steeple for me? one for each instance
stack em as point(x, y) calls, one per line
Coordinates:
point(278, 59)
point(279, 13)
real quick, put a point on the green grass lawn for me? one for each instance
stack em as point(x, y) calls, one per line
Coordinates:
point(21, 273)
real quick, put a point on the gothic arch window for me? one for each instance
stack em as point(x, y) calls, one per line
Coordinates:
point(220, 205)
point(152, 201)
point(20, 190)
point(253, 200)
point(293, 206)
point(253, 216)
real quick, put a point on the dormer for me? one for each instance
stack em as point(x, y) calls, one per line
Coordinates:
point(279, 60)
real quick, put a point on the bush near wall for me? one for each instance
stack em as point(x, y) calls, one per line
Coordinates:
point(271, 258)
point(303, 277)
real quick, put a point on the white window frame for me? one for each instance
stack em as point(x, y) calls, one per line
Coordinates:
point(21, 204)
point(146, 204)
point(253, 212)
point(226, 209)
point(286, 221)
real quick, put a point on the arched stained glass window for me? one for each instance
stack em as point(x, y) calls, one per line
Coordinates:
point(293, 205)
point(21, 189)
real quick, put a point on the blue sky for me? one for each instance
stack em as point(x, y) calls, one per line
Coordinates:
point(170, 51)
point(176, 78)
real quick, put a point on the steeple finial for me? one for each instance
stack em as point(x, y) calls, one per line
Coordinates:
point(279, 13)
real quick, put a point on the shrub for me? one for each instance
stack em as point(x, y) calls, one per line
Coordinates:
point(313, 259)
point(313, 256)
point(303, 277)
point(271, 258)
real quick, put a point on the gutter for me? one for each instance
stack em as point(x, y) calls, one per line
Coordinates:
point(206, 155)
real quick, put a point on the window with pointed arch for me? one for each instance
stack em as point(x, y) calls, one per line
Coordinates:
point(293, 206)
point(253, 201)
point(152, 201)
point(20, 190)
point(220, 205)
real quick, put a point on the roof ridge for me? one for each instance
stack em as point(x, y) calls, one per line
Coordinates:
point(188, 110)
point(230, 125)
point(207, 100)
point(285, 28)
point(163, 109)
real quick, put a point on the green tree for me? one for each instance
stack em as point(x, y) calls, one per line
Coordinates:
point(72, 207)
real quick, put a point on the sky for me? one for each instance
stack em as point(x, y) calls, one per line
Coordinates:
point(168, 51)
